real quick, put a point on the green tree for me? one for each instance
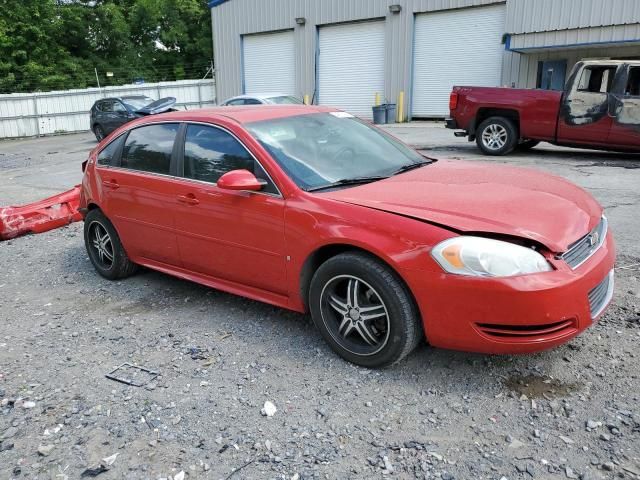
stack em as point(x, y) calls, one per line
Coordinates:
point(56, 44)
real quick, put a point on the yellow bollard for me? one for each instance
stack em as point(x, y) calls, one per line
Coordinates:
point(306, 99)
point(400, 107)
point(377, 101)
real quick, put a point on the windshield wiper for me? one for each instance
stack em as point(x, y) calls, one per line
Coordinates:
point(412, 166)
point(347, 181)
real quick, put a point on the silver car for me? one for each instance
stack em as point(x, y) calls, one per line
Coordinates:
point(264, 99)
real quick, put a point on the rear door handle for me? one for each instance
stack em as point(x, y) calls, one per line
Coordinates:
point(111, 184)
point(189, 199)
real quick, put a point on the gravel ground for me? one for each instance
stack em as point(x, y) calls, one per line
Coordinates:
point(573, 412)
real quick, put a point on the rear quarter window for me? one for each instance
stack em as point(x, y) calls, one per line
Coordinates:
point(107, 156)
point(149, 148)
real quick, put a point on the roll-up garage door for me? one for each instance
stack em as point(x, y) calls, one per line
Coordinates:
point(269, 63)
point(455, 47)
point(351, 66)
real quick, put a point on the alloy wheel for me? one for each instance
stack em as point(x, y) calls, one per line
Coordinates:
point(101, 244)
point(494, 137)
point(355, 315)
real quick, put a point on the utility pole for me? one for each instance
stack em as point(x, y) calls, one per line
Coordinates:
point(97, 79)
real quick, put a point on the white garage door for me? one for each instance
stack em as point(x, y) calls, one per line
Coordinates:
point(351, 66)
point(269, 63)
point(457, 47)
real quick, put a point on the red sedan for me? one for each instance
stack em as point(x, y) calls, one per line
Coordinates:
point(311, 209)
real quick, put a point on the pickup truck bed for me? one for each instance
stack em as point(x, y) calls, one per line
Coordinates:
point(537, 110)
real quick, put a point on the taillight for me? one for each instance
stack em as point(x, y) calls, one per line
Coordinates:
point(453, 101)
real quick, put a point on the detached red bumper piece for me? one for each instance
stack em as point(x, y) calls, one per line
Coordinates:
point(41, 216)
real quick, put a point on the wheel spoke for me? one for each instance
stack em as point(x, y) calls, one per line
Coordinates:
point(345, 327)
point(377, 313)
point(366, 334)
point(338, 305)
point(108, 255)
point(352, 293)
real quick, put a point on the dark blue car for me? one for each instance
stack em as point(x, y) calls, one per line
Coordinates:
point(108, 114)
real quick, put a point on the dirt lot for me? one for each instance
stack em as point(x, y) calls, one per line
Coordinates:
point(573, 412)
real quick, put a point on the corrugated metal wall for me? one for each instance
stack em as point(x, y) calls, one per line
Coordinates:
point(30, 114)
point(525, 16)
point(235, 18)
point(533, 23)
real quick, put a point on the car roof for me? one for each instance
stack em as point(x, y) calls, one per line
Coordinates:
point(125, 97)
point(610, 62)
point(240, 114)
point(135, 96)
point(261, 96)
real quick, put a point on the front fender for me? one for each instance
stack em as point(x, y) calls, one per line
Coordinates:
point(314, 224)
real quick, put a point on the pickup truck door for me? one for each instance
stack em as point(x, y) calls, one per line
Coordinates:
point(584, 112)
point(625, 108)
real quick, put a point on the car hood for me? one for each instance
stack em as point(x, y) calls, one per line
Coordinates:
point(484, 198)
point(159, 106)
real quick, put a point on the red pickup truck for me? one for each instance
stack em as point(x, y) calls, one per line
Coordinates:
point(599, 109)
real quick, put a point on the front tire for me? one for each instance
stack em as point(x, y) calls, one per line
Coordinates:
point(364, 311)
point(497, 136)
point(98, 131)
point(104, 247)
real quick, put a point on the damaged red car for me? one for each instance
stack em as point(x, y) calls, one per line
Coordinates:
point(313, 210)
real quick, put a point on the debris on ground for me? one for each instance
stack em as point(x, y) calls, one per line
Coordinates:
point(42, 216)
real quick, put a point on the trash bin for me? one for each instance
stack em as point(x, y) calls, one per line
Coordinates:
point(380, 114)
point(390, 112)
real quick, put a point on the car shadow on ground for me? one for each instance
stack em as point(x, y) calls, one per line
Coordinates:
point(292, 337)
point(541, 152)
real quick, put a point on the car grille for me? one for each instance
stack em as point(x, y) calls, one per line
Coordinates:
point(526, 332)
point(580, 251)
point(600, 295)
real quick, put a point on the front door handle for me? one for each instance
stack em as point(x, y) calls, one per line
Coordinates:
point(189, 199)
point(111, 184)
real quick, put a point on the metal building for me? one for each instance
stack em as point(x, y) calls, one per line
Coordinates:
point(411, 52)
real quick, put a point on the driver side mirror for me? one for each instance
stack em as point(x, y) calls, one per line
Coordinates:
point(240, 180)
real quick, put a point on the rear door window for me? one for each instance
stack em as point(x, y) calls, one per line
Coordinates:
point(149, 148)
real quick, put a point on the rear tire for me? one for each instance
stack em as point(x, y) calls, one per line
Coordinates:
point(527, 145)
point(364, 311)
point(497, 136)
point(105, 249)
point(98, 131)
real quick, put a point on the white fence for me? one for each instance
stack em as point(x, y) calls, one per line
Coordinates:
point(31, 114)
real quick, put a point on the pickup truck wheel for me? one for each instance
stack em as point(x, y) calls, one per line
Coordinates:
point(497, 136)
point(526, 145)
